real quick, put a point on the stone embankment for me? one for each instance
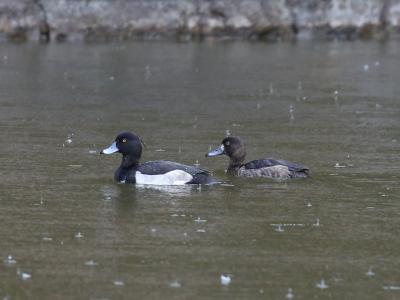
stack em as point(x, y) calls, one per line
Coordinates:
point(60, 20)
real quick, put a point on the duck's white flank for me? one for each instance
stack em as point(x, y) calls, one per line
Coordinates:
point(176, 177)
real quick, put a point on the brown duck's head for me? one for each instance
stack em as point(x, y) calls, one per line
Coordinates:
point(233, 147)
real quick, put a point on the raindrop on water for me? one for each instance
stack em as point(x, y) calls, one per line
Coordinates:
point(392, 288)
point(91, 263)
point(147, 72)
point(299, 85)
point(24, 275)
point(199, 220)
point(175, 284)
point(322, 285)
point(337, 165)
point(290, 294)
point(68, 140)
point(225, 279)
point(291, 112)
point(370, 272)
point(227, 132)
point(10, 260)
point(119, 283)
point(271, 89)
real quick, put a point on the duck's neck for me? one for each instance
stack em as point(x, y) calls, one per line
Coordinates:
point(234, 166)
point(127, 169)
point(129, 162)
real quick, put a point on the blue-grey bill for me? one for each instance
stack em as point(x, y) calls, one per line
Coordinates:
point(216, 152)
point(110, 150)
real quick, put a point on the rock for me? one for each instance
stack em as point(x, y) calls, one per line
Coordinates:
point(62, 20)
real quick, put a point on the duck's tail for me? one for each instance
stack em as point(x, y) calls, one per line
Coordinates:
point(201, 178)
point(305, 173)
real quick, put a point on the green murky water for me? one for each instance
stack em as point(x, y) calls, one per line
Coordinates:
point(75, 234)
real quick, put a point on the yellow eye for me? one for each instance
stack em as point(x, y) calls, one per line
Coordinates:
point(124, 140)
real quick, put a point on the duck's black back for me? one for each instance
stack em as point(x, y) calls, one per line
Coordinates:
point(157, 167)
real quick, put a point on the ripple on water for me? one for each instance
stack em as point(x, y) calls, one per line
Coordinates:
point(79, 235)
point(10, 260)
point(24, 275)
point(289, 294)
point(91, 263)
point(199, 220)
point(322, 285)
point(175, 284)
point(370, 273)
point(391, 287)
point(119, 283)
point(225, 279)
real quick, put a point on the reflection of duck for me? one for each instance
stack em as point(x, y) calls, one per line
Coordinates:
point(171, 190)
point(266, 167)
point(159, 172)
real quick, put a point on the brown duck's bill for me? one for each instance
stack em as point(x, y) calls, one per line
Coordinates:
point(110, 150)
point(219, 151)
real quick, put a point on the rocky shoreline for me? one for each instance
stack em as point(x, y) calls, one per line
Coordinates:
point(270, 20)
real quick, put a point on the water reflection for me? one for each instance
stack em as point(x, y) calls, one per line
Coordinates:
point(170, 191)
point(110, 192)
point(118, 192)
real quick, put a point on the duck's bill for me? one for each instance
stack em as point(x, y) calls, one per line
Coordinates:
point(216, 152)
point(110, 150)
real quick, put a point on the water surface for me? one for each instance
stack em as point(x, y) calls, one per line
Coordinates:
point(74, 233)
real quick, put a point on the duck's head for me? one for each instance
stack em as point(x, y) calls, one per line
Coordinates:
point(233, 147)
point(128, 144)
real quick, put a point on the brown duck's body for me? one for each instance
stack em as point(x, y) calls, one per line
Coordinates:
point(279, 172)
point(266, 167)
